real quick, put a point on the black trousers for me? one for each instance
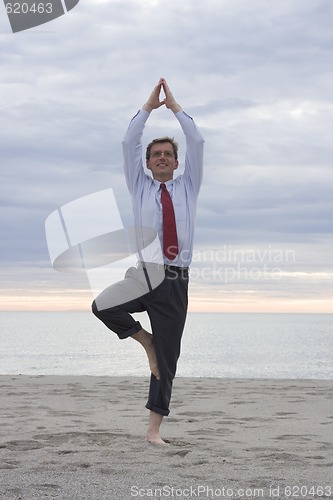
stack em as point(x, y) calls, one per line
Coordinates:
point(166, 306)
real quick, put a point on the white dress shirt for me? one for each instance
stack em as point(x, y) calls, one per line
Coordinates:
point(146, 191)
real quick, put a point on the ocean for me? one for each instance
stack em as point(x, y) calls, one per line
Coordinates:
point(290, 346)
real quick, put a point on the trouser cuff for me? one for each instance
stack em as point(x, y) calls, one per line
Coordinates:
point(151, 407)
point(135, 329)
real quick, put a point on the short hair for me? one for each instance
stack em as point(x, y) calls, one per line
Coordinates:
point(161, 140)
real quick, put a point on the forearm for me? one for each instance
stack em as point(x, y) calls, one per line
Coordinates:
point(194, 150)
point(175, 108)
point(132, 149)
point(136, 126)
point(191, 132)
point(147, 107)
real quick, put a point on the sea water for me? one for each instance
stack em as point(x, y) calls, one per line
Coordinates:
point(214, 345)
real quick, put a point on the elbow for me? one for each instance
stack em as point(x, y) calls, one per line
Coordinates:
point(125, 142)
point(199, 145)
point(201, 141)
point(198, 140)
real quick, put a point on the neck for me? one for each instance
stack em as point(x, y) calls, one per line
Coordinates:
point(162, 178)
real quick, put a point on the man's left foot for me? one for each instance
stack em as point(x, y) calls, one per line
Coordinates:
point(156, 439)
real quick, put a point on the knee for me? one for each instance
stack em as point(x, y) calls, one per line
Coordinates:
point(100, 311)
point(95, 309)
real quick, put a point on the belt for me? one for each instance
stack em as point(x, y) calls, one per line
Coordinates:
point(166, 267)
point(176, 269)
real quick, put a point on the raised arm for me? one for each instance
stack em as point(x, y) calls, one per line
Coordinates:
point(132, 147)
point(194, 141)
point(194, 152)
point(132, 152)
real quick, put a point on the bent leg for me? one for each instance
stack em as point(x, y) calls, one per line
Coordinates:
point(118, 318)
point(114, 305)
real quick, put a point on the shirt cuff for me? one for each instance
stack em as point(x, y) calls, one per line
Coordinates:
point(182, 113)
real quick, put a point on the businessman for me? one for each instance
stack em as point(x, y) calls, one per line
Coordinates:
point(168, 205)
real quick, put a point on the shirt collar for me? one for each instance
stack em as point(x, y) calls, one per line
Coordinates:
point(167, 183)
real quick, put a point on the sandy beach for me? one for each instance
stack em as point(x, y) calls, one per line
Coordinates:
point(83, 438)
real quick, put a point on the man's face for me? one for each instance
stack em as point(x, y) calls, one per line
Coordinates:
point(162, 161)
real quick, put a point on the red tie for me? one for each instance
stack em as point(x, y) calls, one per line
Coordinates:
point(170, 241)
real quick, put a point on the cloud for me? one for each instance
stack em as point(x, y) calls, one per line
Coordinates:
point(255, 76)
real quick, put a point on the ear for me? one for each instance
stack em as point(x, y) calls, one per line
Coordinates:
point(176, 164)
point(147, 165)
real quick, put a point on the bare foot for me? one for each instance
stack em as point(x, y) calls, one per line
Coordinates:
point(153, 432)
point(150, 350)
point(156, 439)
point(146, 340)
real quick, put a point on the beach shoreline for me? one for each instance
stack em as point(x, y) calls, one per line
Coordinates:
point(82, 437)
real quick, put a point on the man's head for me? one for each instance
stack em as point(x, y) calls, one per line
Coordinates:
point(162, 158)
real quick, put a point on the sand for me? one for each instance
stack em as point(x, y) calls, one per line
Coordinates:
point(83, 438)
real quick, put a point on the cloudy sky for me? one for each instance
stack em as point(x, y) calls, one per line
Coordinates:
point(257, 78)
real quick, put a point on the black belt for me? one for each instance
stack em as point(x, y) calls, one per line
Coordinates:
point(176, 269)
point(169, 270)
point(166, 267)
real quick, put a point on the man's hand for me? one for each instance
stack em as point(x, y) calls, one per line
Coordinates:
point(154, 101)
point(169, 100)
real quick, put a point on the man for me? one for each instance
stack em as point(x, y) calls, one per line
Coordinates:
point(168, 205)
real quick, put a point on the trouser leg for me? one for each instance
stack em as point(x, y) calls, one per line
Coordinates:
point(166, 306)
point(167, 312)
point(114, 305)
point(119, 319)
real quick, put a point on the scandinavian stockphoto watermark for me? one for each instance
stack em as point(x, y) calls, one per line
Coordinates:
point(231, 264)
point(28, 14)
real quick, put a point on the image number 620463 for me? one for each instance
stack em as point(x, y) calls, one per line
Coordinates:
point(28, 14)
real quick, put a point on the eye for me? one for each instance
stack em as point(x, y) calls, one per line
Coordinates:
point(158, 154)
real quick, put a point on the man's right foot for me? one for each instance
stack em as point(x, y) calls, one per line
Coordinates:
point(151, 355)
point(146, 340)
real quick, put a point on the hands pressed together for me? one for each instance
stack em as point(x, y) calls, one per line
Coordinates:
point(154, 101)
